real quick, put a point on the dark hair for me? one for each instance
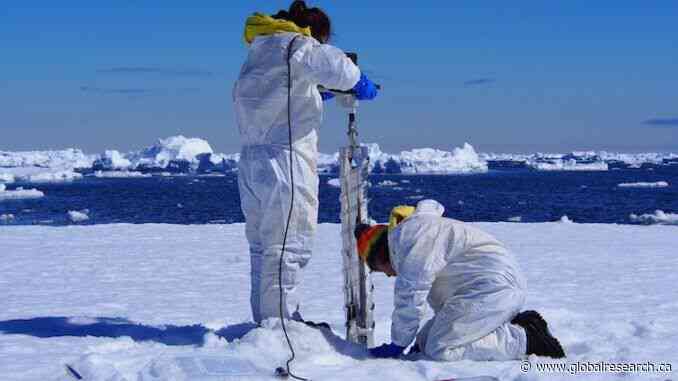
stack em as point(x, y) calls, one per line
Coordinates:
point(321, 27)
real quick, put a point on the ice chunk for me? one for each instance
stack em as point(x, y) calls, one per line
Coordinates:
point(658, 217)
point(78, 216)
point(334, 183)
point(19, 193)
point(658, 184)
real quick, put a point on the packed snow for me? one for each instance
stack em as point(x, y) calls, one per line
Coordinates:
point(76, 216)
point(659, 217)
point(658, 184)
point(136, 302)
point(19, 193)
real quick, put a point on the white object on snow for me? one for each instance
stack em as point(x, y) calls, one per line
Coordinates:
point(19, 193)
point(659, 217)
point(658, 184)
point(78, 216)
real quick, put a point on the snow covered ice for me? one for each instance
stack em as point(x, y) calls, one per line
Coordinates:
point(124, 302)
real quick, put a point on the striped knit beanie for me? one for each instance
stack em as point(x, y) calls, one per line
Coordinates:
point(371, 240)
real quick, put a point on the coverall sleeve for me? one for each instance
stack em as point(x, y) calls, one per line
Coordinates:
point(329, 67)
point(413, 283)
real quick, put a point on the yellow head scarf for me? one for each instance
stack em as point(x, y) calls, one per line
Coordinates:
point(260, 24)
point(398, 214)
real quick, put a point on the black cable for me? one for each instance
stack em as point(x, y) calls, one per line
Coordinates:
point(289, 215)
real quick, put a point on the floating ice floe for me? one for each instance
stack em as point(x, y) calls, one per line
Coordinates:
point(78, 216)
point(6, 217)
point(658, 184)
point(53, 177)
point(334, 183)
point(515, 219)
point(19, 193)
point(659, 217)
point(119, 174)
point(568, 165)
point(387, 183)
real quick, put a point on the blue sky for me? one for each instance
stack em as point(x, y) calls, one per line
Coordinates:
point(505, 76)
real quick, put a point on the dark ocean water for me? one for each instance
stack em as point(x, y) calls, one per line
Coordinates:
point(494, 196)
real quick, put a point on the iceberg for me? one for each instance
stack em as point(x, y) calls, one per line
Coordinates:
point(76, 216)
point(659, 217)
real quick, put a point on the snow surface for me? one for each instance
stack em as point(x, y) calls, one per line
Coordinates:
point(124, 301)
point(658, 217)
point(19, 193)
point(658, 184)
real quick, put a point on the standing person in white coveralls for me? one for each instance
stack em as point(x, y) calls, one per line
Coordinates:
point(277, 96)
point(471, 281)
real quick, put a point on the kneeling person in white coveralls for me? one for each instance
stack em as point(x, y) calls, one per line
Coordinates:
point(471, 281)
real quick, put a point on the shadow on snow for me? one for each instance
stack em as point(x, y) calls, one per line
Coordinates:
point(119, 327)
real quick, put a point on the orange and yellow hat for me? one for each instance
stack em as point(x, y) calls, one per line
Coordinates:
point(370, 240)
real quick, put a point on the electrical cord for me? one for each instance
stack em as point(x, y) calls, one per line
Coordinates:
point(287, 371)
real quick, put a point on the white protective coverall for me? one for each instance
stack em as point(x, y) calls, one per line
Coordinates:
point(260, 98)
point(470, 280)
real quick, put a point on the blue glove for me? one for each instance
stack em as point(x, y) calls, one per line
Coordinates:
point(326, 95)
point(365, 89)
point(387, 351)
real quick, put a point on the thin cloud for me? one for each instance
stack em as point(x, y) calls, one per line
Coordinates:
point(159, 71)
point(662, 122)
point(479, 81)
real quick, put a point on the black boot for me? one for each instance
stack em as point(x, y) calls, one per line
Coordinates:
point(539, 339)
